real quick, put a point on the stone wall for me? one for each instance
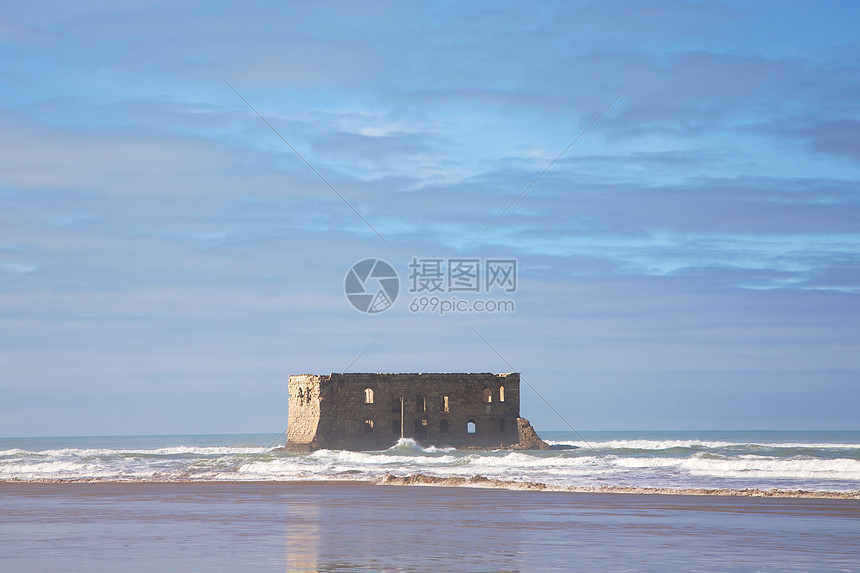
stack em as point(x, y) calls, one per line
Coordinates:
point(304, 411)
point(363, 411)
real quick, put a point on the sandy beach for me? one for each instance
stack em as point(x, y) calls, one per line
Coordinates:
point(345, 526)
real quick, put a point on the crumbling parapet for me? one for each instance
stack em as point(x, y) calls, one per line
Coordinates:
point(528, 438)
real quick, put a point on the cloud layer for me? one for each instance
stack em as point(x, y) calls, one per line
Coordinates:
point(693, 260)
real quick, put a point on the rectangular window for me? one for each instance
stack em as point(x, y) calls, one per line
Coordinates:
point(445, 403)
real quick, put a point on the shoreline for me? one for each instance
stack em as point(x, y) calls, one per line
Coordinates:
point(353, 525)
point(473, 482)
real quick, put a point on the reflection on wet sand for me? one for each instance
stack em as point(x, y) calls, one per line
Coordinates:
point(310, 526)
point(302, 537)
point(380, 528)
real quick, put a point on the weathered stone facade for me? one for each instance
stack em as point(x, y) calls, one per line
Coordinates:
point(372, 411)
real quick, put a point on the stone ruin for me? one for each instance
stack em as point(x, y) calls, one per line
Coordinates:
point(373, 411)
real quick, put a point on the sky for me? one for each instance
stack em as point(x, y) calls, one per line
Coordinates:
point(184, 187)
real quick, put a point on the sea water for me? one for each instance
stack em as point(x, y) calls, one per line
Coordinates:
point(765, 460)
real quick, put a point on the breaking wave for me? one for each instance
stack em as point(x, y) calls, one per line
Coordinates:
point(675, 464)
point(695, 444)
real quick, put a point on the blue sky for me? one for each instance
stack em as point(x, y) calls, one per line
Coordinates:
point(691, 262)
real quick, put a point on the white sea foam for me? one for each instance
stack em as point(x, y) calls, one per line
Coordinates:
point(168, 451)
point(838, 469)
point(641, 444)
point(670, 444)
point(408, 444)
point(752, 467)
point(681, 463)
point(13, 452)
point(359, 458)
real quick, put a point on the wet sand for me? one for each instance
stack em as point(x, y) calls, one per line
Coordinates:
point(481, 481)
point(357, 526)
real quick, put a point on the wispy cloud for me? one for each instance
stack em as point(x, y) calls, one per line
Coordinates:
point(700, 239)
point(19, 268)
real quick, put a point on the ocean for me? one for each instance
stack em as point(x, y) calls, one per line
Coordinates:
point(233, 503)
point(816, 461)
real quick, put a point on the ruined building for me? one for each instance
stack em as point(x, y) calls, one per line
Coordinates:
point(373, 411)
